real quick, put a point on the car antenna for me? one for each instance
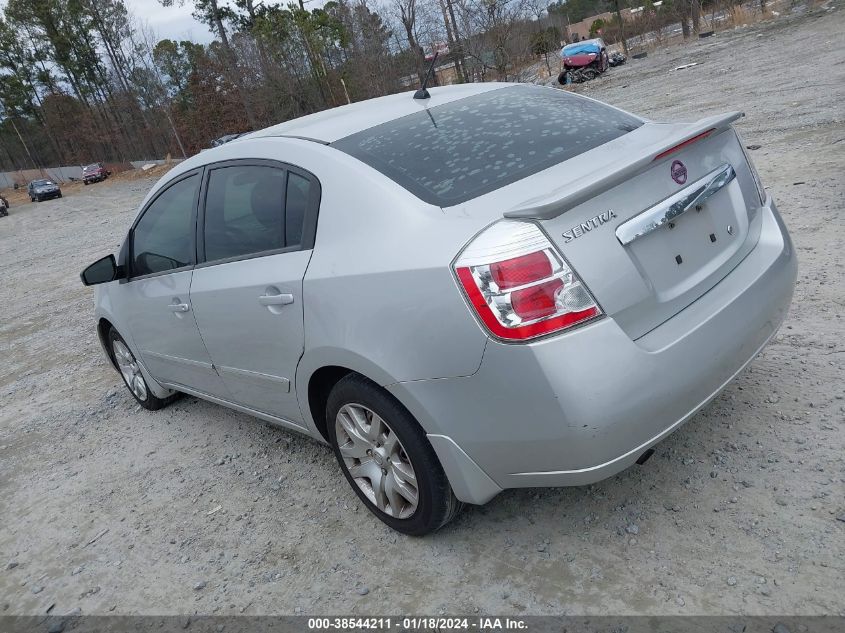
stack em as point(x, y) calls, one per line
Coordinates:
point(422, 93)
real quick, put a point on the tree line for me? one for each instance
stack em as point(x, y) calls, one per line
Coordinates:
point(86, 80)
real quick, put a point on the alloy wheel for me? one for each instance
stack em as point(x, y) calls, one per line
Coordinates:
point(129, 369)
point(377, 461)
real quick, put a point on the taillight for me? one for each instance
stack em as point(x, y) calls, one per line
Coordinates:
point(519, 285)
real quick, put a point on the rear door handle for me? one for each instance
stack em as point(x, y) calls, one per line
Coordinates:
point(275, 300)
point(179, 307)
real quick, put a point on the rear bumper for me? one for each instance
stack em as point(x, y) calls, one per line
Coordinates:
point(579, 407)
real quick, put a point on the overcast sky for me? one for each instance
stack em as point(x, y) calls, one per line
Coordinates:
point(173, 23)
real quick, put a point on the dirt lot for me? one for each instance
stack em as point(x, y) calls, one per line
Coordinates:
point(109, 508)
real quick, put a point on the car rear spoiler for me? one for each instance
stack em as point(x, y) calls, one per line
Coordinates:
point(589, 186)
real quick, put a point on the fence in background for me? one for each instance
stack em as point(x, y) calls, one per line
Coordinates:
point(66, 173)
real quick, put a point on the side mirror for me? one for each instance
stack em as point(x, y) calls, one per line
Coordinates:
point(102, 271)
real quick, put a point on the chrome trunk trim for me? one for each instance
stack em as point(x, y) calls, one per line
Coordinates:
point(664, 212)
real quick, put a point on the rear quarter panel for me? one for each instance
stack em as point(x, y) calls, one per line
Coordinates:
point(379, 296)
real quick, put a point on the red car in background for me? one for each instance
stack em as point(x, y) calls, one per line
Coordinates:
point(583, 61)
point(94, 172)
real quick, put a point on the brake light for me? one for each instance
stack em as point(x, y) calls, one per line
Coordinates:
point(686, 143)
point(519, 285)
point(520, 270)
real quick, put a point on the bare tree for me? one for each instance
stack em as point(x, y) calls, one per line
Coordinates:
point(407, 13)
point(497, 38)
point(209, 12)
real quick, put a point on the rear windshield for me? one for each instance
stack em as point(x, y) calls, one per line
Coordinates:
point(454, 152)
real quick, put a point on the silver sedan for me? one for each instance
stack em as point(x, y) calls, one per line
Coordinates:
point(493, 286)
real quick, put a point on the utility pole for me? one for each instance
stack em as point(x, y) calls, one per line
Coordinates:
point(26, 149)
point(621, 27)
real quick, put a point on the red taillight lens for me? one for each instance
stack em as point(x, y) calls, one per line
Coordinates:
point(520, 270)
point(537, 302)
point(519, 285)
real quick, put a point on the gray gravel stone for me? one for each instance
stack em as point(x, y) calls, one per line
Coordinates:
point(363, 591)
point(199, 586)
point(731, 581)
point(57, 626)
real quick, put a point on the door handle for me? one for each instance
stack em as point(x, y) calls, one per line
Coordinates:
point(275, 300)
point(179, 307)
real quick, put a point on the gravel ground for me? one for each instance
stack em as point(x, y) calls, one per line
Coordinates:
point(197, 509)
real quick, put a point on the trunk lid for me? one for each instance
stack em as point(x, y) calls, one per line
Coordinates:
point(650, 245)
point(582, 202)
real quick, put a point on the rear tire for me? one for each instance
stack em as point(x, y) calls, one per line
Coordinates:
point(387, 459)
point(129, 370)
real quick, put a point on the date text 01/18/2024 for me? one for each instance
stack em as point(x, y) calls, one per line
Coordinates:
point(421, 623)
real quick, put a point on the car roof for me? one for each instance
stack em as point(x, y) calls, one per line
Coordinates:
point(596, 41)
point(330, 125)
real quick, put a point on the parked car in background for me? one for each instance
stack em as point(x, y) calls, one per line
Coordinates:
point(616, 59)
point(94, 172)
point(43, 189)
point(583, 61)
point(539, 313)
point(226, 138)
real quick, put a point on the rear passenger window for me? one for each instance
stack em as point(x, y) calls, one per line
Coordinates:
point(296, 206)
point(245, 211)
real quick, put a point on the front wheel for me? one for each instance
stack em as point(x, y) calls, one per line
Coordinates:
point(387, 459)
point(130, 371)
